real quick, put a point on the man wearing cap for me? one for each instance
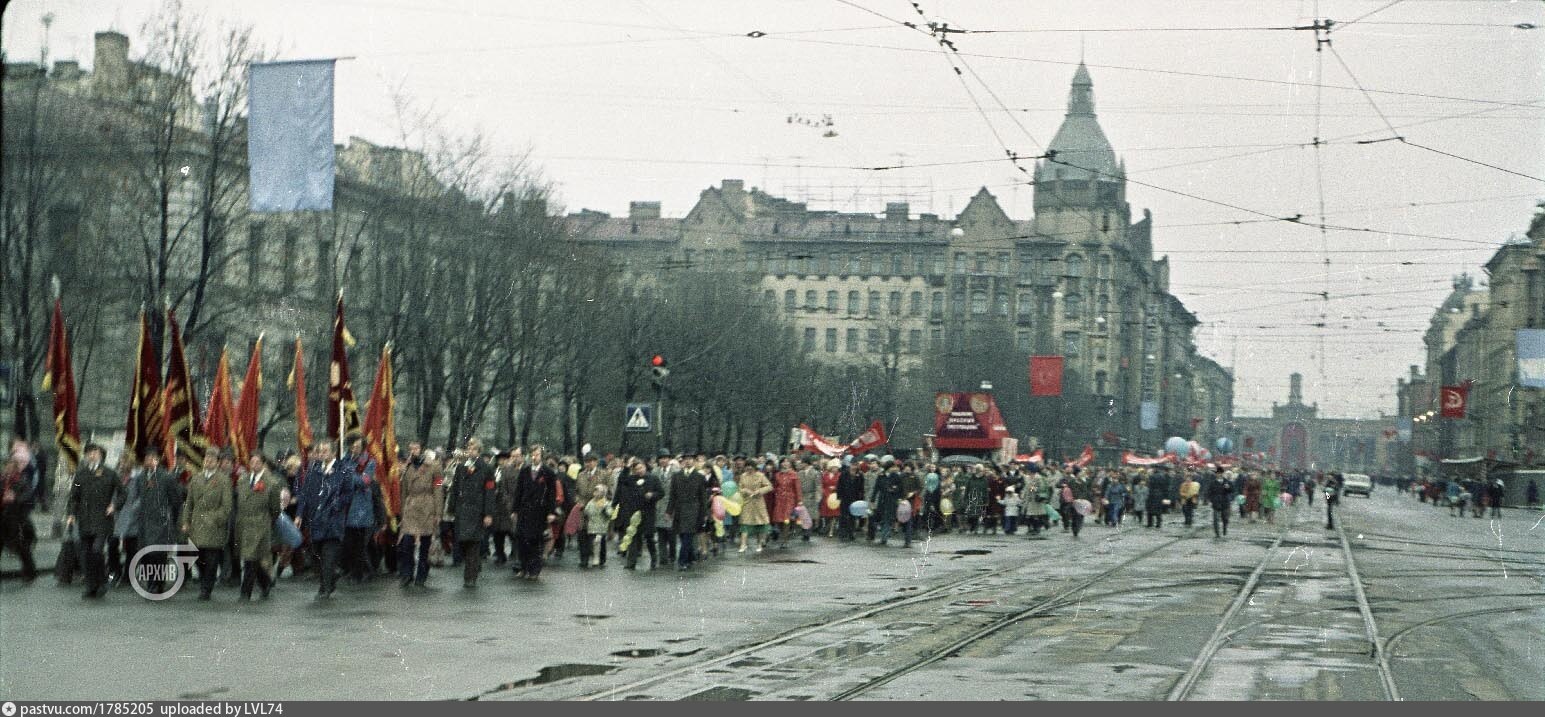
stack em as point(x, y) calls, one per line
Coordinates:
point(206, 511)
point(503, 528)
point(90, 509)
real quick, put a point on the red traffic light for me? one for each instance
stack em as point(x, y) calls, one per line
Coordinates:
point(657, 360)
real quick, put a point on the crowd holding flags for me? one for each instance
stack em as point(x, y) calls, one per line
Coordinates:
point(165, 416)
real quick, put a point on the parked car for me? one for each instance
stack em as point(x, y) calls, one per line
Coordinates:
point(1357, 483)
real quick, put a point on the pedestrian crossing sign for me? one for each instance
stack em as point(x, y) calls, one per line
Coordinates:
point(638, 418)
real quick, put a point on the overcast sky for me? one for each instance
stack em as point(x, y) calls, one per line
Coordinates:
point(657, 100)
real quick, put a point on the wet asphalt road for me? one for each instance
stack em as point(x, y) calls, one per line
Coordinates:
point(1457, 606)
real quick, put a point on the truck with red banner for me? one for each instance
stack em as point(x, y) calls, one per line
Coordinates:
point(969, 423)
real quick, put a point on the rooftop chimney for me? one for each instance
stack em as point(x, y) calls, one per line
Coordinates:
point(643, 210)
point(896, 210)
point(733, 185)
point(111, 62)
point(1296, 388)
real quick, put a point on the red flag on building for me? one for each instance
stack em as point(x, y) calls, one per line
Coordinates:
point(342, 409)
point(180, 406)
point(217, 425)
point(1454, 400)
point(244, 432)
point(872, 438)
point(59, 377)
point(142, 430)
point(297, 381)
point(381, 434)
point(1045, 375)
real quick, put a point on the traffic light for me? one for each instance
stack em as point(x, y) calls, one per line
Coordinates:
point(657, 366)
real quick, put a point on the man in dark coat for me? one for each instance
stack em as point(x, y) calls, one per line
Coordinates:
point(161, 498)
point(473, 500)
point(362, 519)
point(534, 502)
point(850, 489)
point(503, 529)
point(636, 496)
point(91, 509)
point(324, 504)
point(1332, 499)
point(688, 509)
point(1158, 499)
point(1220, 495)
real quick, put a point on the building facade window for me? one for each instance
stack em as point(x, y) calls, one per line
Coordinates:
point(872, 341)
point(770, 299)
point(980, 264)
point(790, 301)
point(1102, 267)
point(852, 341)
point(831, 341)
point(810, 302)
point(915, 341)
point(1073, 305)
point(809, 340)
point(1001, 304)
point(893, 303)
point(1026, 269)
point(1100, 378)
point(831, 301)
point(753, 262)
point(936, 305)
point(1075, 266)
point(1072, 344)
point(874, 303)
point(916, 306)
point(896, 261)
point(1026, 306)
point(978, 303)
point(1022, 340)
point(960, 262)
point(959, 302)
point(854, 307)
point(1005, 264)
point(863, 265)
point(936, 339)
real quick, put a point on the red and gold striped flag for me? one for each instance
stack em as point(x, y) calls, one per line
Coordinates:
point(142, 430)
point(381, 433)
point(297, 381)
point(179, 405)
point(342, 409)
point(59, 377)
point(245, 429)
point(217, 425)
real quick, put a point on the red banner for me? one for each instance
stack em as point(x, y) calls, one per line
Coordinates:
point(812, 441)
point(381, 435)
point(1132, 459)
point(1083, 459)
point(1045, 375)
point(245, 428)
point(218, 428)
point(297, 381)
point(59, 377)
point(1454, 400)
point(180, 412)
point(872, 438)
point(143, 427)
point(1037, 458)
point(342, 409)
point(967, 421)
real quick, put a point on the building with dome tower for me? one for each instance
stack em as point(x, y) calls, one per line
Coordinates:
point(885, 291)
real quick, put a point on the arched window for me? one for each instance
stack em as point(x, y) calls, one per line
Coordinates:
point(853, 305)
point(789, 300)
point(1075, 266)
point(810, 299)
point(1073, 305)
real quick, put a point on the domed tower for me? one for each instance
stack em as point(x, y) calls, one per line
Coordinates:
point(1084, 175)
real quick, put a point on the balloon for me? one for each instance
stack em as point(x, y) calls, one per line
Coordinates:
point(1286, 498)
point(732, 507)
point(717, 507)
point(1083, 506)
point(946, 506)
point(573, 470)
point(803, 516)
point(832, 503)
point(1175, 445)
point(1052, 513)
point(1194, 448)
point(729, 488)
point(1224, 445)
point(1239, 500)
point(903, 511)
point(859, 509)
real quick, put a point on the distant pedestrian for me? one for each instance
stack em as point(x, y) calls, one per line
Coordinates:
point(753, 510)
point(1158, 499)
point(535, 502)
point(1189, 489)
point(16, 511)
point(473, 502)
point(1220, 497)
point(1115, 501)
point(1332, 499)
point(1532, 494)
point(687, 505)
point(598, 516)
point(1495, 491)
point(90, 509)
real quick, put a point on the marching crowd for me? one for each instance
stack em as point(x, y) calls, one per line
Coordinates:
point(1462, 495)
point(527, 509)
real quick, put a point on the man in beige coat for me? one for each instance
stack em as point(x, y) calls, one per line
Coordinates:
point(260, 495)
point(206, 518)
point(423, 502)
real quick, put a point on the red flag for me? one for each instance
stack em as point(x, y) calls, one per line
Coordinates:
point(244, 432)
point(217, 425)
point(872, 438)
point(812, 441)
point(1084, 458)
point(341, 406)
point(297, 381)
point(180, 407)
point(381, 434)
point(1045, 375)
point(142, 431)
point(1037, 458)
point(1454, 400)
point(59, 377)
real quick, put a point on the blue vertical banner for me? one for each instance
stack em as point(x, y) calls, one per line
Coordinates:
point(290, 136)
point(1403, 426)
point(1531, 358)
point(1148, 415)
